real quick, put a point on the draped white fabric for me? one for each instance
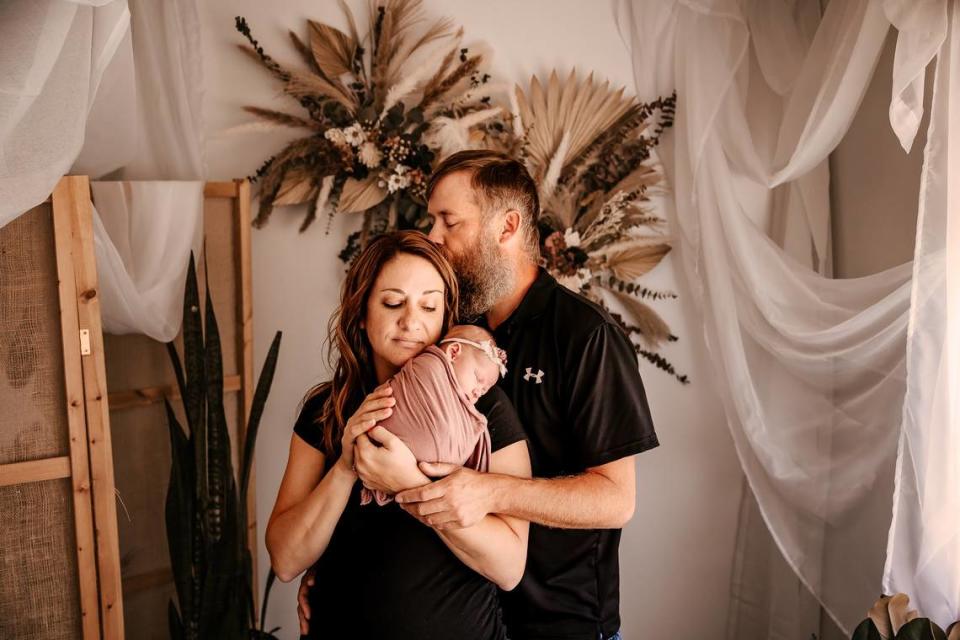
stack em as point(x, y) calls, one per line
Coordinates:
point(143, 235)
point(110, 88)
point(54, 56)
point(812, 369)
point(923, 557)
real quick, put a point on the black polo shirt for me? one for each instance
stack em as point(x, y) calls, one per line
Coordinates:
point(574, 381)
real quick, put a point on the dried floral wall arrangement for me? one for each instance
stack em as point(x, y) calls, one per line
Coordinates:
point(381, 110)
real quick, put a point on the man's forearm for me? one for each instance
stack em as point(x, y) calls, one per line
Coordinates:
point(492, 548)
point(585, 501)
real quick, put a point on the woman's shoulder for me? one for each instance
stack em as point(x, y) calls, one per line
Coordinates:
point(307, 424)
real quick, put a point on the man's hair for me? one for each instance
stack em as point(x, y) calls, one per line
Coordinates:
point(500, 183)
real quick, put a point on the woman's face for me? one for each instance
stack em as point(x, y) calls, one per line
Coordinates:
point(404, 312)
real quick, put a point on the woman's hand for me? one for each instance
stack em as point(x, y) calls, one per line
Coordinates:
point(390, 467)
point(375, 407)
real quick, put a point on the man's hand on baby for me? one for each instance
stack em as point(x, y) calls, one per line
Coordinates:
point(458, 500)
point(389, 467)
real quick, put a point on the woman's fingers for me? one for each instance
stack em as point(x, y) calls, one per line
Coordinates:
point(375, 405)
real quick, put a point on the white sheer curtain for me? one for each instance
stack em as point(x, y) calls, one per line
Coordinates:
point(813, 368)
point(923, 557)
point(113, 88)
point(143, 234)
point(54, 56)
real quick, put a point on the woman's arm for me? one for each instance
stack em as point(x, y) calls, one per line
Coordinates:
point(309, 504)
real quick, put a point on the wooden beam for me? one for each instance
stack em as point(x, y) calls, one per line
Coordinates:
point(34, 471)
point(148, 395)
point(66, 192)
point(98, 415)
point(220, 189)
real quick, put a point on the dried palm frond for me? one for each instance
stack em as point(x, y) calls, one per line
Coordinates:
point(359, 195)
point(650, 326)
point(404, 59)
point(392, 20)
point(635, 260)
point(281, 118)
point(315, 85)
point(295, 188)
point(582, 110)
point(332, 49)
point(466, 67)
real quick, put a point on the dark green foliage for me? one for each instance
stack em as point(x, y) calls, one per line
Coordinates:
point(205, 512)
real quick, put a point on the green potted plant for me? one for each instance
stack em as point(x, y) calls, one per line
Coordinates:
point(205, 512)
point(891, 619)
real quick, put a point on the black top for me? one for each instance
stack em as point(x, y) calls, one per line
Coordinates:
point(386, 575)
point(574, 381)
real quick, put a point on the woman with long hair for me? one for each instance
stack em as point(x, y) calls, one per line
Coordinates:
point(379, 572)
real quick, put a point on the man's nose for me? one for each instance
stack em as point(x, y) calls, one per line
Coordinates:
point(435, 235)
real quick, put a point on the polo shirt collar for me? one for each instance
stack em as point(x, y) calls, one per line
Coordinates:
point(534, 302)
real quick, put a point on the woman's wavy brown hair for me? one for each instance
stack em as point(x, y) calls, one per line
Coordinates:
point(348, 349)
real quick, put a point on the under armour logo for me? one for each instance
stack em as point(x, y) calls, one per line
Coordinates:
point(538, 376)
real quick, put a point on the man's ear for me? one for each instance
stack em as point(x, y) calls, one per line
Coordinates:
point(511, 225)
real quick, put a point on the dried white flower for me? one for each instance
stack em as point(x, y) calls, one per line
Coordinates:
point(355, 135)
point(399, 179)
point(571, 238)
point(335, 136)
point(370, 155)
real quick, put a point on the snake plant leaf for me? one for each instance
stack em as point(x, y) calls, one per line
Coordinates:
point(219, 467)
point(223, 610)
point(271, 577)
point(177, 631)
point(256, 412)
point(194, 396)
point(866, 630)
point(919, 629)
point(179, 514)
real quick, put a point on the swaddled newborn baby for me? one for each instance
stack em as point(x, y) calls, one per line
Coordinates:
point(435, 393)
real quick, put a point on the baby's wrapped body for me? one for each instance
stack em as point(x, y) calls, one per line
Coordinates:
point(434, 417)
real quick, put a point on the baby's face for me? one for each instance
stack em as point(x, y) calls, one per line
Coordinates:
point(475, 372)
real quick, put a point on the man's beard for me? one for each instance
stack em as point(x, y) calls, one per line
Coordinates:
point(484, 276)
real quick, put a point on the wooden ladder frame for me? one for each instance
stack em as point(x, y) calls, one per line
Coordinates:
point(89, 465)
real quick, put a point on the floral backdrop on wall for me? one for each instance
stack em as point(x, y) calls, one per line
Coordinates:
point(381, 109)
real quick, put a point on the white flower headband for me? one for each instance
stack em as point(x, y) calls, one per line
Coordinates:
point(496, 354)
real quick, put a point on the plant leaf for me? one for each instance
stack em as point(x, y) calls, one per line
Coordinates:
point(297, 186)
point(881, 617)
point(866, 630)
point(359, 195)
point(256, 412)
point(632, 262)
point(178, 512)
point(899, 614)
point(218, 438)
point(653, 330)
point(332, 49)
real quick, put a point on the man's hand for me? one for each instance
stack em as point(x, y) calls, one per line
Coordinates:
point(459, 500)
point(303, 604)
point(390, 467)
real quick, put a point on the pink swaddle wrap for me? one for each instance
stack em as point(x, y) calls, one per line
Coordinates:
point(434, 418)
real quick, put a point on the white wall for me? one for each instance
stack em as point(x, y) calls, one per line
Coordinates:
point(677, 551)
